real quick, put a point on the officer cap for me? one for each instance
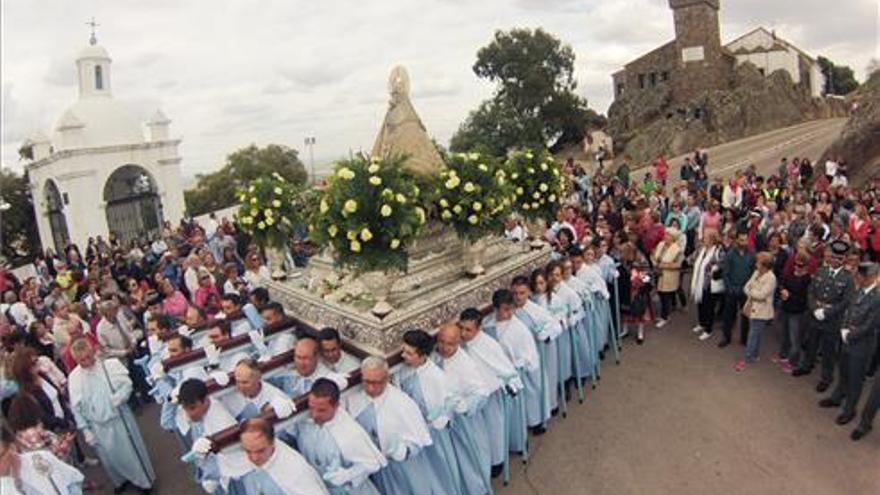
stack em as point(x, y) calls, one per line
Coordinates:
point(839, 247)
point(868, 269)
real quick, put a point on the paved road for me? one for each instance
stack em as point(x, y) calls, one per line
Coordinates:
point(674, 417)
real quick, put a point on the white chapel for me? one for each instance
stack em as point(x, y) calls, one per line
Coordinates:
point(99, 172)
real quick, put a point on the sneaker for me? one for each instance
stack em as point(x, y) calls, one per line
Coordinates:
point(697, 329)
point(787, 368)
point(661, 323)
point(739, 366)
point(776, 359)
point(705, 336)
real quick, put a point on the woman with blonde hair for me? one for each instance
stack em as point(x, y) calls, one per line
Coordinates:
point(667, 258)
point(759, 306)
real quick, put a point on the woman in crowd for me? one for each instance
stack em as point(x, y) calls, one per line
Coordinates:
point(707, 284)
point(758, 307)
point(667, 258)
point(794, 287)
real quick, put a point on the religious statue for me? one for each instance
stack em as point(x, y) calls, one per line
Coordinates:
point(403, 133)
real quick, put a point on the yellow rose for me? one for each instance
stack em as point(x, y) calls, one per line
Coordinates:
point(247, 220)
point(525, 206)
point(375, 180)
point(395, 243)
point(387, 193)
point(373, 168)
point(261, 225)
point(543, 187)
point(385, 211)
point(345, 173)
point(267, 212)
point(514, 176)
point(483, 167)
point(253, 201)
point(519, 191)
point(332, 230)
point(400, 198)
point(278, 191)
point(276, 203)
point(355, 246)
point(552, 198)
point(473, 219)
point(324, 206)
point(473, 156)
point(477, 206)
point(530, 170)
point(421, 214)
point(444, 203)
point(254, 212)
point(556, 172)
point(416, 190)
point(446, 215)
point(469, 187)
point(457, 209)
point(536, 195)
point(269, 221)
point(453, 182)
point(252, 189)
point(366, 235)
point(500, 180)
point(534, 205)
point(351, 235)
point(543, 166)
point(350, 206)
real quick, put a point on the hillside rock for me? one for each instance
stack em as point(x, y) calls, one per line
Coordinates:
point(859, 141)
point(647, 124)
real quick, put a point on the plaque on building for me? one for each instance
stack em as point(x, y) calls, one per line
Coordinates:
point(692, 54)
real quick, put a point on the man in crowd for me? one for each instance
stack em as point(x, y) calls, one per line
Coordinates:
point(738, 267)
point(307, 368)
point(858, 332)
point(335, 444)
point(331, 352)
point(99, 390)
point(253, 395)
point(827, 299)
point(395, 423)
point(275, 468)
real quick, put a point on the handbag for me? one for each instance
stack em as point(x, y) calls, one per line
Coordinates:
point(747, 308)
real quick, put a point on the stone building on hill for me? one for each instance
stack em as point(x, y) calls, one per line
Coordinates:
point(696, 61)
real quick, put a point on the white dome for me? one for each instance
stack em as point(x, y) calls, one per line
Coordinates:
point(104, 122)
point(93, 51)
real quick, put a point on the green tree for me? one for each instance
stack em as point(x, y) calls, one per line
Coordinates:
point(18, 223)
point(535, 103)
point(217, 190)
point(839, 79)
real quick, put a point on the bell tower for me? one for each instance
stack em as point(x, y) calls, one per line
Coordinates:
point(702, 63)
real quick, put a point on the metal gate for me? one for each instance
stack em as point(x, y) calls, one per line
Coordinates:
point(134, 210)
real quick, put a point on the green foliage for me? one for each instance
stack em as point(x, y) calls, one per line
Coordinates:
point(217, 190)
point(369, 213)
point(474, 195)
point(839, 79)
point(535, 103)
point(18, 223)
point(538, 183)
point(272, 209)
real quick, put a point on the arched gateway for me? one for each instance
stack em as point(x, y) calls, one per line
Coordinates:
point(134, 210)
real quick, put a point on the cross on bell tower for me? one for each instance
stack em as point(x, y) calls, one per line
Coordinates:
point(93, 40)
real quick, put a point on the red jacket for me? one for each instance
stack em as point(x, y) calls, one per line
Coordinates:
point(859, 234)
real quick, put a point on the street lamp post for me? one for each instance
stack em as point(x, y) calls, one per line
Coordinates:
point(310, 143)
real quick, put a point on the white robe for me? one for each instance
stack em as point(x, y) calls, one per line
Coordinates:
point(98, 397)
point(518, 343)
point(346, 364)
point(285, 473)
point(37, 468)
point(249, 407)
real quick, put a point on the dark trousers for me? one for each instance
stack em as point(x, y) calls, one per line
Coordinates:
point(854, 361)
point(706, 309)
point(871, 405)
point(667, 303)
point(733, 303)
point(792, 328)
point(828, 340)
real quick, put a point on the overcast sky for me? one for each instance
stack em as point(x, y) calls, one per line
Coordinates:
point(230, 73)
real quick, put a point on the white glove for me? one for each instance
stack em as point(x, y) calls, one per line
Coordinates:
point(461, 406)
point(220, 316)
point(844, 333)
point(220, 378)
point(90, 438)
point(184, 330)
point(440, 422)
point(202, 446)
point(338, 477)
point(210, 486)
point(339, 379)
point(282, 407)
point(259, 342)
point(819, 314)
point(157, 371)
point(399, 452)
point(175, 395)
point(212, 352)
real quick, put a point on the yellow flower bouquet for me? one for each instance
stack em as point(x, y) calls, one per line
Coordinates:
point(538, 182)
point(270, 210)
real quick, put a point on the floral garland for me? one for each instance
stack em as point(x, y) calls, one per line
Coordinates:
point(538, 182)
point(474, 195)
point(269, 210)
point(369, 213)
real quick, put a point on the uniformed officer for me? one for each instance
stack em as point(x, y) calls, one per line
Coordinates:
point(827, 299)
point(858, 333)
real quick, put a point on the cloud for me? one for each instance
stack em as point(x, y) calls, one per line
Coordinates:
point(231, 73)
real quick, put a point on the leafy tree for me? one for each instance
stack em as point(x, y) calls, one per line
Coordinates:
point(217, 190)
point(18, 223)
point(535, 104)
point(839, 79)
